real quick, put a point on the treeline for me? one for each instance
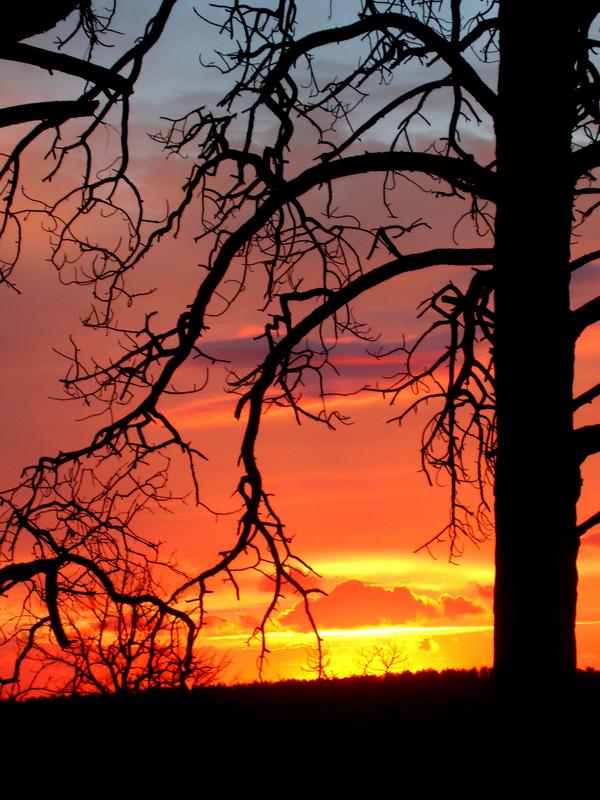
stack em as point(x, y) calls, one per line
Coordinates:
point(405, 711)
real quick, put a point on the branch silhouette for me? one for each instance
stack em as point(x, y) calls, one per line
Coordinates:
point(276, 161)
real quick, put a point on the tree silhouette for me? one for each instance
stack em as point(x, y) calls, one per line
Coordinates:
point(67, 542)
point(121, 649)
point(384, 659)
point(413, 104)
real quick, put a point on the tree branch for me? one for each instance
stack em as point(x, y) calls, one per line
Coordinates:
point(56, 111)
point(449, 52)
point(31, 18)
point(585, 159)
point(585, 315)
point(586, 397)
point(191, 323)
point(61, 62)
point(476, 256)
point(588, 524)
point(49, 567)
point(587, 441)
point(581, 261)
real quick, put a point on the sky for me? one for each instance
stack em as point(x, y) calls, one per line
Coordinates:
point(355, 499)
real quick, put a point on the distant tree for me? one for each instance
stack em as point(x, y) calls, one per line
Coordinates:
point(116, 649)
point(514, 167)
point(318, 662)
point(384, 659)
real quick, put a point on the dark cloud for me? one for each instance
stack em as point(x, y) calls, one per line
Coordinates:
point(486, 591)
point(354, 604)
point(591, 540)
point(212, 621)
point(355, 362)
point(458, 606)
point(248, 621)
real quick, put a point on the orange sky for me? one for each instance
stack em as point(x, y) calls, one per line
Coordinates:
point(354, 499)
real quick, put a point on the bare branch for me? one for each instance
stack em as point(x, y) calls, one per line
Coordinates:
point(587, 397)
point(403, 23)
point(587, 441)
point(585, 315)
point(31, 18)
point(101, 77)
point(588, 524)
point(56, 112)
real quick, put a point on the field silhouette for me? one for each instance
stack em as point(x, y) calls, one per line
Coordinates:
point(443, 716)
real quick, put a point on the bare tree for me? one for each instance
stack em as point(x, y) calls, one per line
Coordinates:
point(284, 140)
point(121, 649)
point(66, 540)
point(384, 659)
point(318, 662)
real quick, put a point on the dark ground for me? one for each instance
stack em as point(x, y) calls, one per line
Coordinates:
point(426, 722)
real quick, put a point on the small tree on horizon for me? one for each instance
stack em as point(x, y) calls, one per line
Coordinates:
point(388, 658)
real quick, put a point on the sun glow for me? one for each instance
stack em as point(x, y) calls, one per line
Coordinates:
point(356, 651)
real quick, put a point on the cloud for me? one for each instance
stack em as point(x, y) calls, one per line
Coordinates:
point(354, 604)
point(430, 645)
point(458, 606)
point(212, 621)
point(248, 621)
point(485, 590)
point(591, 540)
point(241, 354)
point(234, 625)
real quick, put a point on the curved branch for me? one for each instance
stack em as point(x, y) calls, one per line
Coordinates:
point(424, 89)
point(22, 572)
point(29, 645)
point(29, 19)
point(51, 588)
point(465, 175)
point(477, 256)
point(191, 323)
point(448, 51)
point(54, 111)
point(61, 62)
point(265, 375)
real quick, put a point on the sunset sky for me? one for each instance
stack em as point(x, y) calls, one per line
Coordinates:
point(355, 499)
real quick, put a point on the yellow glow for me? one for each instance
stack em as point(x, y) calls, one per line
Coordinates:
point(375, 565)
point(346, 650)
point(358, 633)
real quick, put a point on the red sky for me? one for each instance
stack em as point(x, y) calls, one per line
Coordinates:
point(354, 499)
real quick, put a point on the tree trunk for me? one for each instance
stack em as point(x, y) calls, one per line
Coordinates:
point(536, 488)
